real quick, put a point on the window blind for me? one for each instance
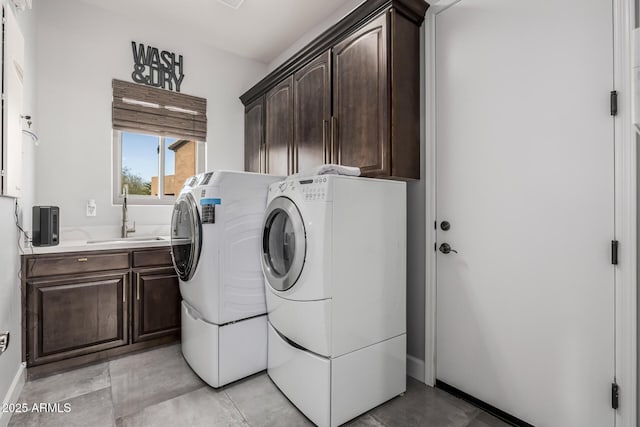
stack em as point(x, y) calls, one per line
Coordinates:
point(144, 109)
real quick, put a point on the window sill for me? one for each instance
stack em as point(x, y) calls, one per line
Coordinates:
point(143, 201)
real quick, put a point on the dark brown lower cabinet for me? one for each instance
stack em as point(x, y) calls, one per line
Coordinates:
point(156, 307)
point(89, 306)
point(74, 316)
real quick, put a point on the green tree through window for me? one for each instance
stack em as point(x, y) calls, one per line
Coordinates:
point(137, 185)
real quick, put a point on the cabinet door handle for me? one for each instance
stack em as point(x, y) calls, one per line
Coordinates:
point(124, 289)
point(83, 259)
point(325, 154)
point(265, 154)
point(290, 158)
point(334, 140)
point(261, 163)
point(138, 286)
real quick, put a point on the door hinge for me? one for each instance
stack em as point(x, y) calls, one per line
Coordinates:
point(614, 102)
point(615, 395)
point(614, 252)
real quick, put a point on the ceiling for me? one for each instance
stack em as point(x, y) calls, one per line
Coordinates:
point(259, 29)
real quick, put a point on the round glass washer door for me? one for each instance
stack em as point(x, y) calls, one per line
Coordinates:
point(284, 244)
point(186, 236)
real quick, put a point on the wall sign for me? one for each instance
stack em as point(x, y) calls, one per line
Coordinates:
point(156, 68)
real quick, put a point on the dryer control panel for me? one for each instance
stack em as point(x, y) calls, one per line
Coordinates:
point(314, 188)
point(310, 189)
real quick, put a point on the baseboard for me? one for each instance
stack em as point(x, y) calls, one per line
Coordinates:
point(496, 412)
point(13, 393)
point(415, 368)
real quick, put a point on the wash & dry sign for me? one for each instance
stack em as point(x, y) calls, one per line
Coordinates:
point(156, 68)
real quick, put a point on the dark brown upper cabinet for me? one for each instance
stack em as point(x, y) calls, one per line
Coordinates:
point(361, 100)
point(404, 76)
point(372, 79)
point(279, 128)
point(312, 114)
point(254, 136)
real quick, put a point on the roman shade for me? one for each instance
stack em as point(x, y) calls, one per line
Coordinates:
point(144, 109)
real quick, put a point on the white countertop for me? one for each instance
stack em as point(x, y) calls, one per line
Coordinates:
point(101, 245)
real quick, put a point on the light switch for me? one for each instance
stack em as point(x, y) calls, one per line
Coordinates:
point(91, 207)
point(4, 341)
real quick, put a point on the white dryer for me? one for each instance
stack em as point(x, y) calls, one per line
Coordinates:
point(334, 256)
point(215, 246)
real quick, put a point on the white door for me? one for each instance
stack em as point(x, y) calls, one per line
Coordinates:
point(524, 141)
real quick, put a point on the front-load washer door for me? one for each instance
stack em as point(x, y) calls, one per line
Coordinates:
point(186, 236)
point(284, 244)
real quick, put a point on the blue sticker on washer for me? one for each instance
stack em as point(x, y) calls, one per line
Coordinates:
point(204, 202)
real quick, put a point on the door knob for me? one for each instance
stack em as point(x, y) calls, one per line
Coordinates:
point(445, 248)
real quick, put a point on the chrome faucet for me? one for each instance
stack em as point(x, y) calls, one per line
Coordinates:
point(125, 219)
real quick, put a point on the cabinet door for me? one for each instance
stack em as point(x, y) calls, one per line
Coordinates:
point(156, 308)
point(405, 96)
point(361, 100)
point(72, 317)
point(254, 136)
point(279, 127)
point(312, 112)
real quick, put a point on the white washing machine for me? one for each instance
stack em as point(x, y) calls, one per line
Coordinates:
point(334, 259)
point(215, 245)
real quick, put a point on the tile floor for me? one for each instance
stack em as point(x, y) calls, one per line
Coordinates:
point(157, 388)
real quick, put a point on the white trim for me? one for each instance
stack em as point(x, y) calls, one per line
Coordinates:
point(430, 189)
point(201, 156)
point(116, 182)
point(13, 393)
point(415, 368)
point(162, 147)
point(430, 199)
point(625, 216)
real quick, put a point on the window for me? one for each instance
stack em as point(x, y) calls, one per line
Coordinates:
point(154, 167)
point(158, 142)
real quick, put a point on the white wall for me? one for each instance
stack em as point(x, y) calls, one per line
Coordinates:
point(415, 206)
point(9, 298)
point(416, 243)
point(307, 37)
point(10, 304)
point(81, 48)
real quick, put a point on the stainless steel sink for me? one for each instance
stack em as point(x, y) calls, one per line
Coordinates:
point(127, 239)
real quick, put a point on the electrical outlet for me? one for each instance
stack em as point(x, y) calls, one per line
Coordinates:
point(91, 207)
point(4, 341)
